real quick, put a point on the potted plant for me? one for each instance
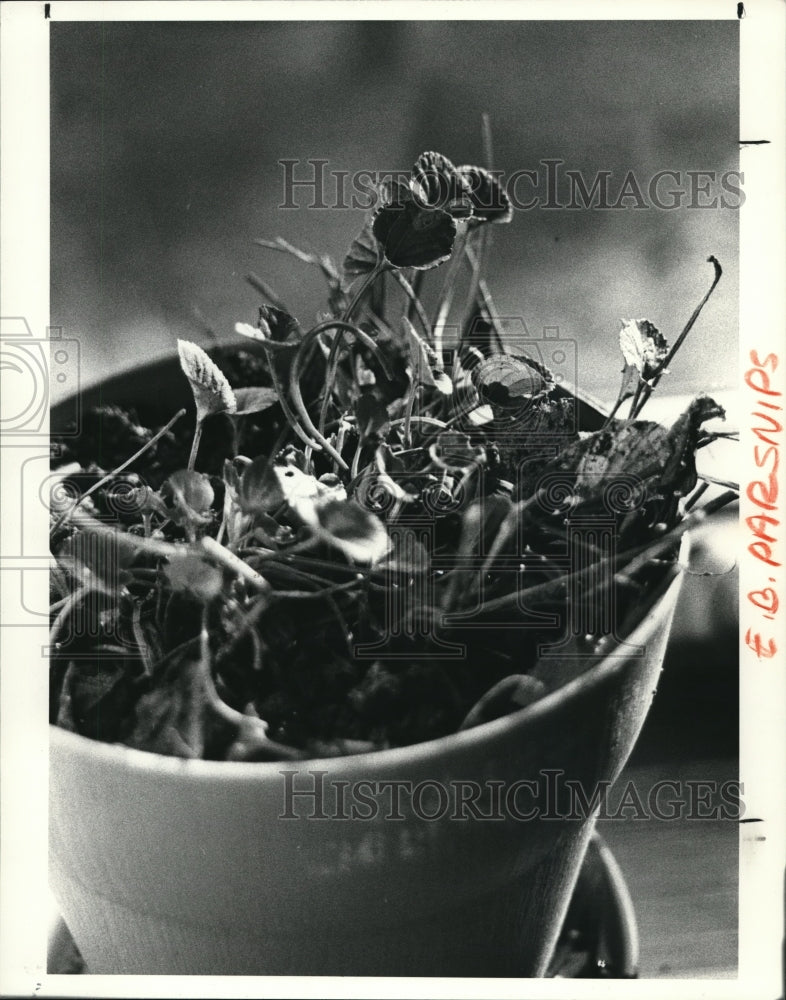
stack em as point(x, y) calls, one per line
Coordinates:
point(337, 640)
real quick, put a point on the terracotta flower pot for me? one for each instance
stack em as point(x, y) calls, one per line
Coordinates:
point(375, 864)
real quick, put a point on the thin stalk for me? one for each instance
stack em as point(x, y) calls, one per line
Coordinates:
point(294, 376)
point(70, 604)
point(195, 444)
point(698, 493)
point(367, 282)
point(354, 471)
point(414, 302)
point(631, 560)
point(446, 295)
point(486, 301)
point(661, 369)
point(617, 405)
point(282, 398)
point(413, 392)
point(218, 553)
point(428, 421)
point(247, 725)
point(330, 376)
point(488, 145)
point(266, 291)
point(310, 595)
point(110, 475)
point(476, 264)
point(416, 284)
point(484, 241)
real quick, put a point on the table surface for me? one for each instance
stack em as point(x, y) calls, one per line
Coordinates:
point(682, 876)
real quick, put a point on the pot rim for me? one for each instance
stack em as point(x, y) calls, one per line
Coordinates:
point(119, 755)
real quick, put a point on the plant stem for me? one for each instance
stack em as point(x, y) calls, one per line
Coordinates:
point(330, 375)
point(218, 553)
point(487, 302)
point(476, 264)
point(195, 444)
point(368, 281)
point(266, 291)
point(287, 409)
point(110, 475)
point(413, 391)
point(414, 301)
point(294, 375)
point(638, 558)
point(447, 293)
point(661, 369)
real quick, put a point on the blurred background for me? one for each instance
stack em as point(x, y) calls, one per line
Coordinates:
point(167, 137)
point(165, 147)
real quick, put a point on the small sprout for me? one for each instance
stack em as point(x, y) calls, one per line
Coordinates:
point(279, 326)
point(330, 486)
point(212, 391)
point(453, 502)
point(364, 376)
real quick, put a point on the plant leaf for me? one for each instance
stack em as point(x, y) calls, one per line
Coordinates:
point(453, 450)
point(371, 416)
point(652, 460)
point(264, 487)
point(412, 236)
point(171, 719)
point(424, 363)
point(212, 392)
point(354, 531)
point(104, 554)
point(643, 346)
point(364, 253)
point(489, 201)
point(631, 377)
point(191, 490)
point(190, 573)
point(278, 325)
point(507, 380)
point(254, 399)
point(407, 555)
point(442, 185)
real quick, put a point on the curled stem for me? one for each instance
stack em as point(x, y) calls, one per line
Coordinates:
point(297, 364)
